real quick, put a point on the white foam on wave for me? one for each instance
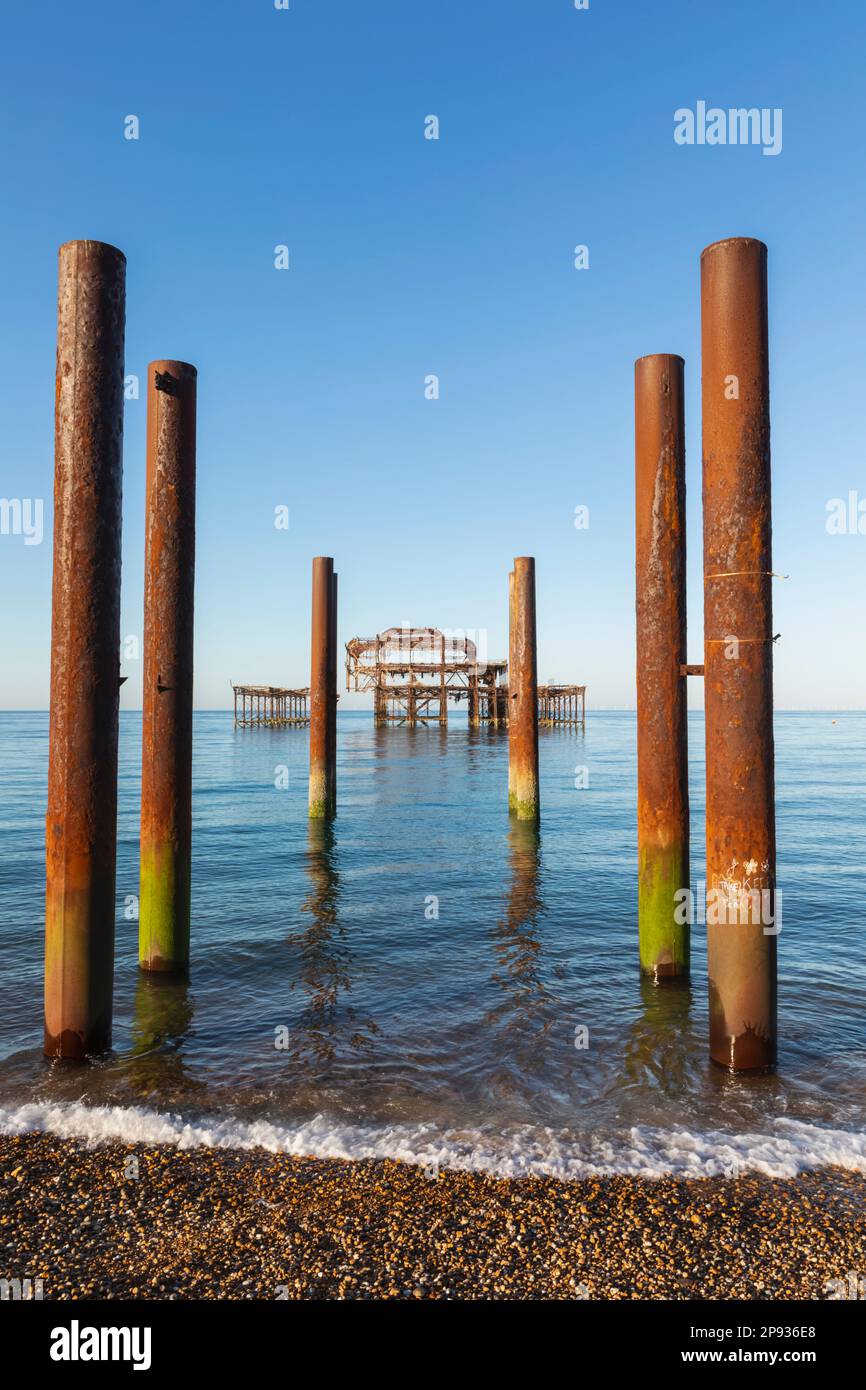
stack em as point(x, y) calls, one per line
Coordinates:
point(791, 1146)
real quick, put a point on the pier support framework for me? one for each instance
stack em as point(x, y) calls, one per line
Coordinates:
point(415, 672)
point(562, 704)
point(272, 705)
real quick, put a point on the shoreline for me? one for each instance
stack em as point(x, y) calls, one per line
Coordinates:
point(228, 1224)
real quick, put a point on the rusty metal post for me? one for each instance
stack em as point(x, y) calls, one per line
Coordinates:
point(332, 697)
point(738, 660)
point(321, 667)
point(662, 730)
point(81, 823)
point(472, 699)
point(510, 686)
point(169, 575)
point(523, 800)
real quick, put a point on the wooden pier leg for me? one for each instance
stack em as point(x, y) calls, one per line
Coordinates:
point(169, 568)
point(523, 798)
point(81, 823)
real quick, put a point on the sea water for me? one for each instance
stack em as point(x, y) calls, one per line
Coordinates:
point(428, 980)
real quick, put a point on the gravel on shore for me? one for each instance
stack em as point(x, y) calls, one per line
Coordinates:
point(217, 1223)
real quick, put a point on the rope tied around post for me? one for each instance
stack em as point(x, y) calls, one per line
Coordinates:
point(732, 574)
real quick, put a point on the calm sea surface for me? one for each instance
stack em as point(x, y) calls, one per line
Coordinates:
point(410, 982)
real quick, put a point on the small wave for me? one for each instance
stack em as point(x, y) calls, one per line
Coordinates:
point(790, 1148)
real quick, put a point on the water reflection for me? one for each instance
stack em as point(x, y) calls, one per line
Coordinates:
point(322, 970)
point(524, 1011)
point(659, 1041)
point(162, 1019)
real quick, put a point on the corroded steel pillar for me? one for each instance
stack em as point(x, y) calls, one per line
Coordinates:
point(81, 823)
point(332, 696)
point(738, 634)
point(511, 627)
point(169, 570)
point(523, 799)
point(322, 665)
point(662, 732)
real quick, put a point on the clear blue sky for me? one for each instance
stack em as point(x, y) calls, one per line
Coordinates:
point(409, 256)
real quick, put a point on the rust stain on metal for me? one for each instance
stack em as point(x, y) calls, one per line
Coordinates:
point(523, 795)
point(81, 822)
point(169, 584)
point(662, 743)
point(741, 842)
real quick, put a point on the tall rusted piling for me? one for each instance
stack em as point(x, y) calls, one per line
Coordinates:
point(81, 823)
point(169, 570)
point(511, 627)
point(738, 635)
point(332, 696)
point(323, 669)
point(523, 798)
point(662, 733)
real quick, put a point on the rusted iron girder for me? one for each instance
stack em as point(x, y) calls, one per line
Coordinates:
point(81, 822)
point(169, 582)
point(738, 634)
point(662, 731)
point(323, 670)
point(523, 797)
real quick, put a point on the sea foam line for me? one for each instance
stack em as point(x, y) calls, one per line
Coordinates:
point(521, 1151)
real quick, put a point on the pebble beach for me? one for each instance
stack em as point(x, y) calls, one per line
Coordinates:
point(247, 1224)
